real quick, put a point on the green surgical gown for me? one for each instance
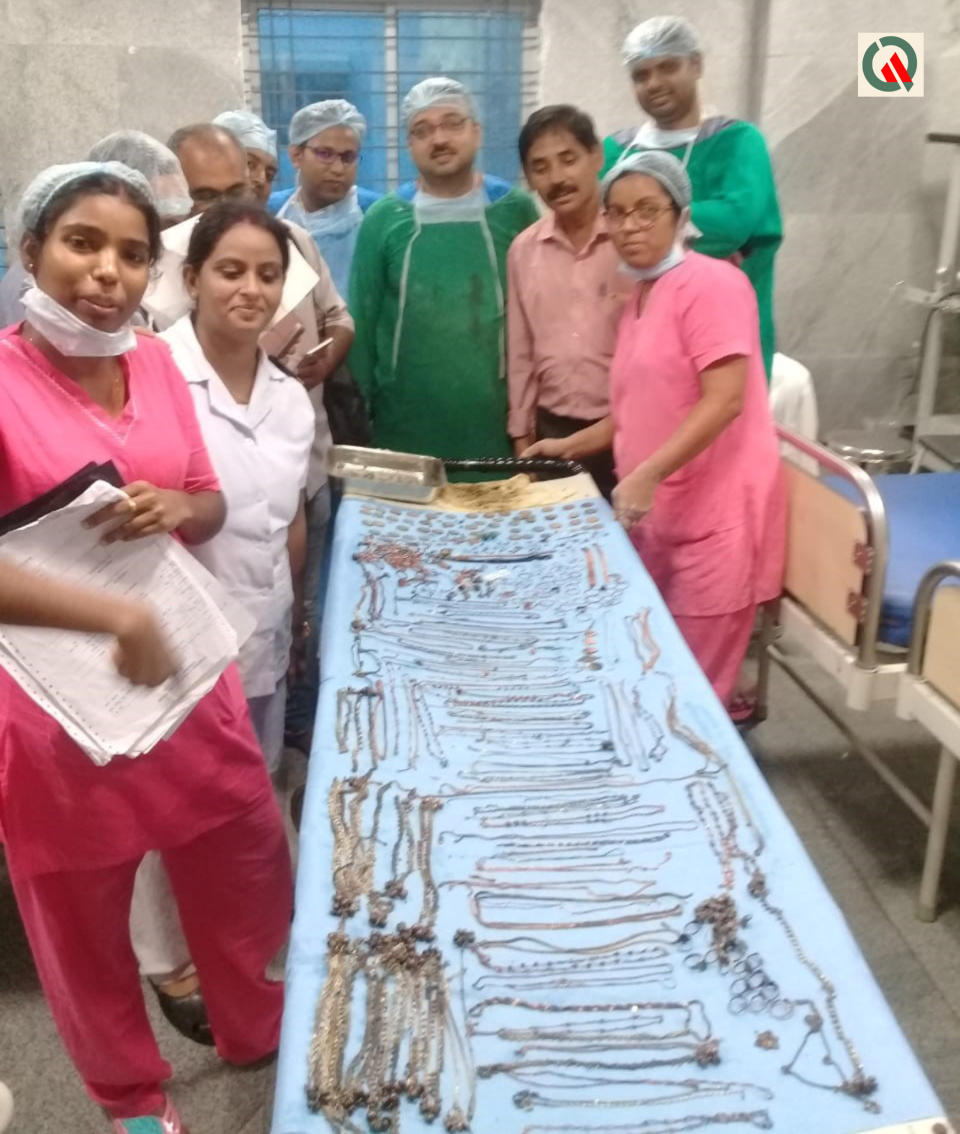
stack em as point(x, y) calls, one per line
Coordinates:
point(447, 395)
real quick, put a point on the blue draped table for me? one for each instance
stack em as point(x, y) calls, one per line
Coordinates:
point(489, 659)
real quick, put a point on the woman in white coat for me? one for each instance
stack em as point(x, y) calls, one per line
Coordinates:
point(258, 425)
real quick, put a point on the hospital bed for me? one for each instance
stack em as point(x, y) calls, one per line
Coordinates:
point(930, 695)
point(857, 549)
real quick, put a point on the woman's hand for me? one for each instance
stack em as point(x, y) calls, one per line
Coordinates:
point(141, 654)
point(146, 511)
point(633, 496)
point(298, 649)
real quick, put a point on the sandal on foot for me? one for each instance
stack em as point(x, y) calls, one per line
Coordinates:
point(167, 1123)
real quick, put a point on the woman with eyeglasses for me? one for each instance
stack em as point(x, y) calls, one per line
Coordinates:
point(695, 447)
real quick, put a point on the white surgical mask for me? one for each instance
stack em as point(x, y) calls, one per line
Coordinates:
point(675, 256)
point(68, 333)
point(334, 229)
point(671, 260)
point(468, 208)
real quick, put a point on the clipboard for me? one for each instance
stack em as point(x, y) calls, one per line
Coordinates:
point(60, 495)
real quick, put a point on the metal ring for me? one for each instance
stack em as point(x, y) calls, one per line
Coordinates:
point(781, 1009)
point(758, 1003)
point(737, 1005)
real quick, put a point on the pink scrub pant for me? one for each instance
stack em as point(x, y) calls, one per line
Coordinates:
point(719, 643)
point(234, 891)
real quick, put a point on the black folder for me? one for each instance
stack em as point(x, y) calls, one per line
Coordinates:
point(60, 495)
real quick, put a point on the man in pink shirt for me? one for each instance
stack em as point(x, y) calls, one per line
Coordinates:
point(565, 290)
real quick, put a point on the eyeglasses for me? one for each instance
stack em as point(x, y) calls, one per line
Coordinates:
point(644, 216)
point(202, 198)
point(452, 124)
point(327, 156)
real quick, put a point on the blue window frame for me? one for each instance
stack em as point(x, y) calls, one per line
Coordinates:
point(372, 53)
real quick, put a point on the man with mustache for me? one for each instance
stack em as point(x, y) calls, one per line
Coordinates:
point(565, 290)
point(428, 289)
point(735, 203)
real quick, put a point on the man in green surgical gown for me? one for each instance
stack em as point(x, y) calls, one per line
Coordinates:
point(734, 195)
point(427, 290)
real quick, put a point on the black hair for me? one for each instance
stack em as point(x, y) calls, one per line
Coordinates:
point(216, 221)
point(206, 133)
point(92, 185)
point(559, 117)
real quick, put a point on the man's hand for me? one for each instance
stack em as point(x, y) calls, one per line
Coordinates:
point(315, 368)
point(521, 444)
point(554, 447)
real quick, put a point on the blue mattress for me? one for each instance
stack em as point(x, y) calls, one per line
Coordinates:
point(923, 519)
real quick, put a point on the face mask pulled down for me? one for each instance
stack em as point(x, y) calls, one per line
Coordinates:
point(68, 333)
point(676, 255)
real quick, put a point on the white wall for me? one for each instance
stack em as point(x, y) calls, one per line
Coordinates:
point(861, 192)
point(75, 70)
point(580, 47)
point(862, 195)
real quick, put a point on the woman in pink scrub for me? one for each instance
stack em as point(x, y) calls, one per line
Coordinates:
point(76, 385)
point(696, 452)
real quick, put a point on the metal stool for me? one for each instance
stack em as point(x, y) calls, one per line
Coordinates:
point(875, 451)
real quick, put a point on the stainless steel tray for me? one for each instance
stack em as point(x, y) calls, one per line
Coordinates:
point(387, 474)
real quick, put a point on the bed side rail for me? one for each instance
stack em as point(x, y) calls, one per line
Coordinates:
point(838, 577)
point(934, 642)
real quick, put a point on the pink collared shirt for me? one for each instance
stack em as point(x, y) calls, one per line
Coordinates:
point(563, 309)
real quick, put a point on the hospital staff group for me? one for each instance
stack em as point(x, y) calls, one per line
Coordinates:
point(625, 321)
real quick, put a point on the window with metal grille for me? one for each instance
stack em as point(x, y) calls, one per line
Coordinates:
point(371, 53)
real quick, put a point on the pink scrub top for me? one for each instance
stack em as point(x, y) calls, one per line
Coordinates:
point(58, 810)
point(714, 541)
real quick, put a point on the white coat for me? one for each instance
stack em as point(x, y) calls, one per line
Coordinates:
point(261, 454)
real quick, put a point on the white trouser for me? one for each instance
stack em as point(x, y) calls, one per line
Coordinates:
point(267, 714)
point(155, 930)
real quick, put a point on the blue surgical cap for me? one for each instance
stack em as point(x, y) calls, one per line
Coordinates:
point(52, 181)
point(438, 91)
point(659, 165)
point(319, 116)
point(159, 166)
point(250, 131)
point(658, 37)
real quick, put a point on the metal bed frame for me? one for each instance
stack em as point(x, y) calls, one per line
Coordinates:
point(865, 672)
point(940, 716)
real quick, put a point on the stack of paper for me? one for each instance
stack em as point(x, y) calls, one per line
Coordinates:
point(72, 676)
